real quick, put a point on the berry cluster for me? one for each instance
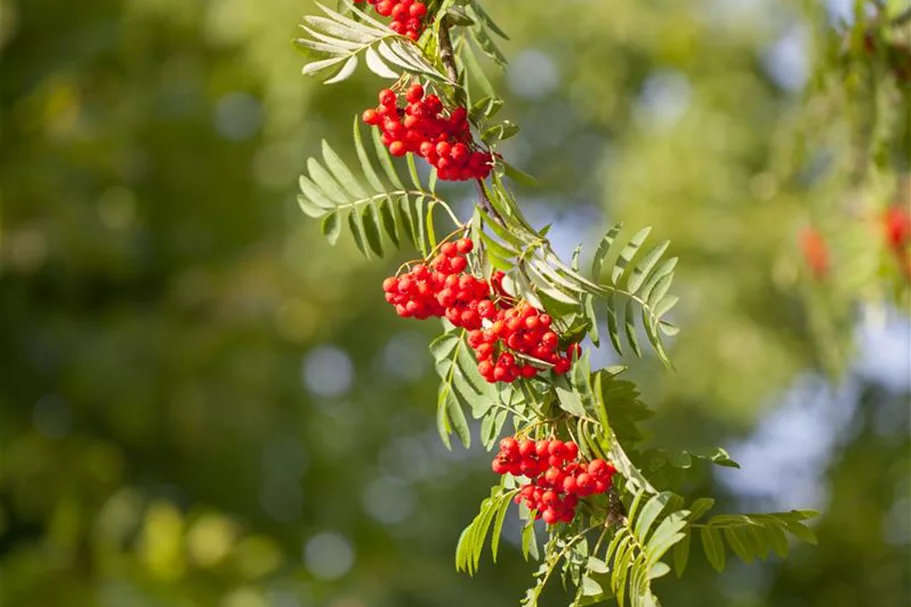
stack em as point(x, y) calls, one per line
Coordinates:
point(557, 479)
point(501, 334)
point(442, 289)
point(420, 127)
point(407, 15)
point(897, 222)
point(815, 252)
point(521, 330)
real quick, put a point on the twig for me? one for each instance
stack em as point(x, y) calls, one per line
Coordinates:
point(486, 205)
point(447, 56)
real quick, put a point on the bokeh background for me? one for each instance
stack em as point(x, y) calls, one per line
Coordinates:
point(202, 403)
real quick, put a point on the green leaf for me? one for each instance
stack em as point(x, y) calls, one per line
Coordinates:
point(568, 399)
point(486, 107)
point(613, 330)
point(630, 329)
point(518, 175)
point(346, 71)
point(700, 507)
point(665, 536)
point(331, 228)
point(682, 554)
point(641, 271)
point(590, 587)
point(355, 225)
point(499, 132)
point(650, 512)
point(529, 543)
point(503, 507)
point(371, 222)
point(366, 165)
point(309, 208)
point(376, 65)
point(714, 547)
point(385, 159)
point(658, 570)
point(390, 221)
point(739, 544)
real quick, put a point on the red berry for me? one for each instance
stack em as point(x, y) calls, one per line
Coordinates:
point(484, 352)
point(598, 468)
point(391, 284)
point(458, 264)
point(526, 447)
point(399, 12)
point(572, 450)
point(509, 445)
point(416, 92)
point(569, 484)
point(485, 368)
point(370, 117)
point(584, 483)
point(498, 467)
point(397, 148)
point(387, 97)
point(449, 249)
point(475, 338)
point(556, 448)
point(418, 10)
point(464, 245)
point(561, 366)
point(528, 371)
point(384, 7)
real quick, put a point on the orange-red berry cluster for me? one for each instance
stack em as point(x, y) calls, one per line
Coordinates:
point(422, 128)
point(442, 289)
point(407, 15)
point(557, 478)
point(522, 330)
point(815, 252)
point(898, 235)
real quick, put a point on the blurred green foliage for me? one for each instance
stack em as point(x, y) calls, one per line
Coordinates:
point(204, 404)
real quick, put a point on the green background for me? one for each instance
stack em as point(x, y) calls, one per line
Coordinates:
point(202, 403)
